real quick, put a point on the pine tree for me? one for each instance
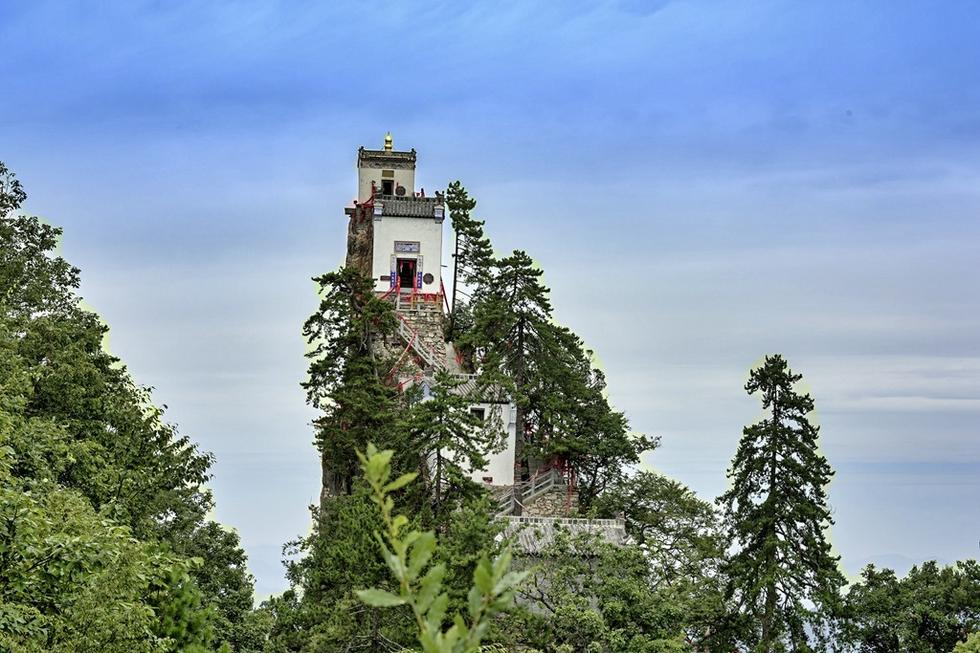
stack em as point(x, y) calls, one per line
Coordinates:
point(344, 377)
point(473, 255)
point(448, 435)
point(509, 338)
point(782, 575)
point(573, 419)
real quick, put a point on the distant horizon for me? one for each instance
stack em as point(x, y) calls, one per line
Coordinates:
point(702, 183)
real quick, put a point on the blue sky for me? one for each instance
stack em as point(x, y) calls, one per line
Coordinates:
point(702, 182)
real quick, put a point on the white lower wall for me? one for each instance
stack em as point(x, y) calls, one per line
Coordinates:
point(500, 466)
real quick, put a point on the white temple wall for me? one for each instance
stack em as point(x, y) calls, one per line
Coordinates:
point(425, 231)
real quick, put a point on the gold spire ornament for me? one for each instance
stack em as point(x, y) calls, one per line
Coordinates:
point(388, 142)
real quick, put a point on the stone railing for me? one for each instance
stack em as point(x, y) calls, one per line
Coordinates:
point(565, 521)
point(538, 485)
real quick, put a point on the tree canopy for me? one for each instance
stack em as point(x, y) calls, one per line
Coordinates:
point(96, 483)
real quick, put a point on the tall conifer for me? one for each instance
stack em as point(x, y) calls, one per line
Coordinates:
point(509, 337)
point(782, 575)
point(473, 254)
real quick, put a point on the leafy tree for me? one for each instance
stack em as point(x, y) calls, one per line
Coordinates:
point(586, 595)
point(73, 580)
point(681, 538)
point(12, 194)
point(932, 610)
point(782, 576)
point(225, 582)
point(970, 645)
point(345, 380)
point(88, 428)
point(419, 584)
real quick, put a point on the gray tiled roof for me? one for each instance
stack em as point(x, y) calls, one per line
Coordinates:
point(410, 207)
point(533, 534)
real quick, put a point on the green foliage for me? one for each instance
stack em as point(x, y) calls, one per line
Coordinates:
point(474, 256)
point(472, 259)
point(585, 594)
point(12, 194)
point(547, 371)
point(73, 580)
point(79, 431)
point(344, 378)
point(681, 539)
point(971, 645)
point(432, 436)
point(782, 577)
point(443, 431)
point(932, 610)
point(408, 553)
point(339, 556)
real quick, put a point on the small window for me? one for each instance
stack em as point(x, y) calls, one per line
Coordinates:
point(387, 186)
point(479, 413)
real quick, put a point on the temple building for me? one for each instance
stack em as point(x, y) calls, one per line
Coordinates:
point(395, 237)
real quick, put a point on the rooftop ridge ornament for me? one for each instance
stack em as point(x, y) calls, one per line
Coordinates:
point(389, 141)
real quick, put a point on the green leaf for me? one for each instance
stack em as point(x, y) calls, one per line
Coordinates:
point(474, 600)
point(482, 576)
point(437, 611)
point(379, 598)
point(430, 586)
point(421, 553)
point(400, 482)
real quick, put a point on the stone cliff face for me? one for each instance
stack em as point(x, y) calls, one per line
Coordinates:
point(360, 240)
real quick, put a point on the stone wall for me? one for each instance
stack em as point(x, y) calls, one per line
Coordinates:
point(426, 318)
point(553, 504)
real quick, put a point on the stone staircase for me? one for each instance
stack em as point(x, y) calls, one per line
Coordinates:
point(420, 325)
point(547, 483)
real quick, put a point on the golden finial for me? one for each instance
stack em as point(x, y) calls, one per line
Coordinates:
point(388, 142)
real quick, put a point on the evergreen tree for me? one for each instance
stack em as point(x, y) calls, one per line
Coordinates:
point(782, 576)
point(345, 378)
point(472, 255)
point(449, 437)
point(509, 337)
point(573, 419)
point(546, 371)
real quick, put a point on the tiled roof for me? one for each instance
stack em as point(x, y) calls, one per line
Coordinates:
point(410, 206)
point(386, 158)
